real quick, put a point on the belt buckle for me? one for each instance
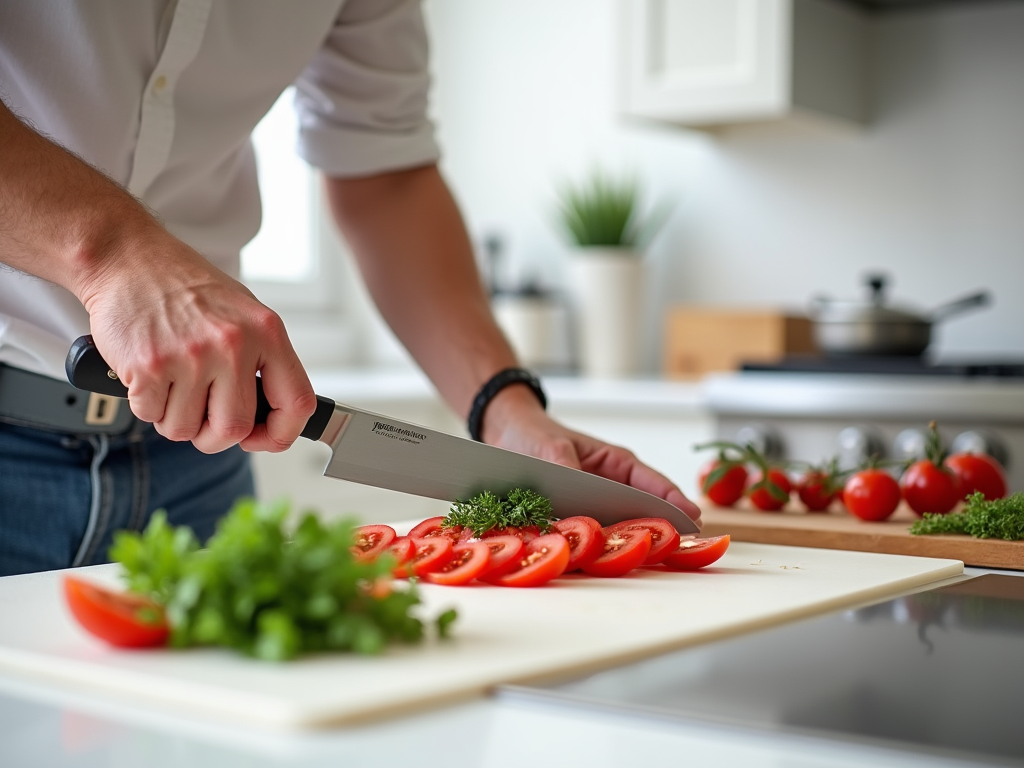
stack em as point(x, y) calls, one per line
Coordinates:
point(101, 410)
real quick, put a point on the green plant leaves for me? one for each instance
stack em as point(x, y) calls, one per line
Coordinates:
point(996, 519)
point(604, 213)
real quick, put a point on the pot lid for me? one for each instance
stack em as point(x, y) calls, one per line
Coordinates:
point(873, 310)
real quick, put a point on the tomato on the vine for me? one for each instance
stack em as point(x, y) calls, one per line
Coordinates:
point(821, 486)
point(623, 551)
point(770, 492)
point(928, 487)
point(586, 542)
point(871, 494)
point(120, 618)
point(693, 553)
point(723, 481)
point(543, 559)
point(664, 538)
point(978, 472)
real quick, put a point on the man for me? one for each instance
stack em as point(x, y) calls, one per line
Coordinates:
point(127, 188)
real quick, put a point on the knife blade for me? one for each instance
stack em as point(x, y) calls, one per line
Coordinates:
point(373, 449)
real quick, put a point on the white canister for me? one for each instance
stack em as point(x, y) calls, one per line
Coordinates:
point(537, 327)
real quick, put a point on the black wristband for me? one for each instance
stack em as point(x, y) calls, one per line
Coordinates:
point(494, 385)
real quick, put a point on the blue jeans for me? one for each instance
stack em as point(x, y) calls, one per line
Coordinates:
point(63, 496)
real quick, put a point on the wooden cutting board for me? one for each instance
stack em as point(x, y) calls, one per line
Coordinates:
point(502, 635)
point(841, 530)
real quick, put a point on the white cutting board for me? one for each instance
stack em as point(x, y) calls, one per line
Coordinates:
point(502, 635)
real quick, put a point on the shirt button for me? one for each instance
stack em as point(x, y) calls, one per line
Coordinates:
point(159, 84)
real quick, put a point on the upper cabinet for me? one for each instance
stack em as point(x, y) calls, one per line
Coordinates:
point(722, 62)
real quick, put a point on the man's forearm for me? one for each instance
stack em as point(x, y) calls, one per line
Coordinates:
point(58, 215)
point(415, 255)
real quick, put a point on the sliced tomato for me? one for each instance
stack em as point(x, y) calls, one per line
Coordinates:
point(526, 533)
point(543, 559)
point(432, 527)
point(623, 551)
point(402, 549)
point(120, 618)
point(468, 561)
point(371, 540)
point(664, 537)
point(586, 543)
point(431, 554)
point(502, 554)
point(693, 553)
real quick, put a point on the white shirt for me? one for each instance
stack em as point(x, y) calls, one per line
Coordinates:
point(162, 97)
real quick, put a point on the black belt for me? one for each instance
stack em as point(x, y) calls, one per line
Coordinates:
point(31, 400)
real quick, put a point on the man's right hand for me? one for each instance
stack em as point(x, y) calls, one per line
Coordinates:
point(185, 338)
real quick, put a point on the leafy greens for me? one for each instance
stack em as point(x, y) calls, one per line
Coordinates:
point(996, 519)
point(520, 509)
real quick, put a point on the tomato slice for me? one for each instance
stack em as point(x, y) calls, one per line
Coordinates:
point(371, 540)
point(526, 533)
point(623, 551)
point(431, 554)
point(402, 549)
point(468, 561)
point(543, 559)
point(586, 543)
point(122, 619)
point(432, 527)
point(502, 554)
point(664, 538)
point(694, 553)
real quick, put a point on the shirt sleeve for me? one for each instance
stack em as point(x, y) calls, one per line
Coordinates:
point(362, 101)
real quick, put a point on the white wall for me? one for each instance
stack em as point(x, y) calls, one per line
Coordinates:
point(932, 192)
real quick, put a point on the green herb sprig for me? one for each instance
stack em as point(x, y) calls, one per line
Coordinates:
point(995, 519)
point(520, 508)
point(266, 594)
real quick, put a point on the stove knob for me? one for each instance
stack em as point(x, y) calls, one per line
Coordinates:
point(856, 445)
point(910, 445)
point(974, 441)
point(765, 440)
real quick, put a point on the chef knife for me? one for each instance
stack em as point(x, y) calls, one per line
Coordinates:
point(376, 450)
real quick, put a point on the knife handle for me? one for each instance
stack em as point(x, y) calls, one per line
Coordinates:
point(86, 369)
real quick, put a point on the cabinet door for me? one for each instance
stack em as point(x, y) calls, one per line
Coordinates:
point(705, 61)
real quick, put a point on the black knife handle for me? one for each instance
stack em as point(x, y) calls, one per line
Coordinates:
point(86, 369)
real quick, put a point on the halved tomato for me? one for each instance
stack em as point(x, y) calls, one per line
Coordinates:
point(664, 538)
point(431, 555)
point(402, 549)
point(502, 554)
point(695, 553)
point(120, 618)
point(585, 540)
point(371, 540)
point(623, 551)
point(527, 533)
point(432, 527)
point(468, 561)
point(542, 560)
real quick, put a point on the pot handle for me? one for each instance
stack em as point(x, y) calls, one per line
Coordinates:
point(974, 301)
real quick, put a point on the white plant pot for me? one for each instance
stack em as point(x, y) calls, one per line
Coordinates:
point(607, 288)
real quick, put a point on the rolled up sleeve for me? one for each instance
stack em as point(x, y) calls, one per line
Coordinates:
point(362, 101)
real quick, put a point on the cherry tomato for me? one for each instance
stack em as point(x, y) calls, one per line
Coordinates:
point(543, 559)
point(727, 488)
point(502, 554)
point(586, 542)
point(664, 538)
point(623, 551)
point(816, 491)
point(432, 527)
point(762, 497)
point(122, 619)
point(978, 472)
point(928, 487)
point(431, 554)
point(468, 561)
point(371, 540)
point(402, 549)
point(871, 494)
point(693, 553)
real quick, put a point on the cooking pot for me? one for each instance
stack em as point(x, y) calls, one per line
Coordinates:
point(873, 327)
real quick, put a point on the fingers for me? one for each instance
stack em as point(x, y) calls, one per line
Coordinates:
point(292, 402)
point(230, 409)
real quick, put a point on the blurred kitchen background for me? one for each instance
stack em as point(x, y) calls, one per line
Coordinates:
point(898, 149)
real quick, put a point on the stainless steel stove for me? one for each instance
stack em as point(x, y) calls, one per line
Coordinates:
point(936, 672)
point(814, 408)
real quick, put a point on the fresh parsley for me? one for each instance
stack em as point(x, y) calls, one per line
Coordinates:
point(519, 509)
point(996, 519)
point(265, 593)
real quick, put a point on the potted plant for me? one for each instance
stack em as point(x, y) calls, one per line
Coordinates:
point(602, 220)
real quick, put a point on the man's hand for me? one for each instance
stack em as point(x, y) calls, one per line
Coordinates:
point(515, 420)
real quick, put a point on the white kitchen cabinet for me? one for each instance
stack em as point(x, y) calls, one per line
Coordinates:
point(720, 62)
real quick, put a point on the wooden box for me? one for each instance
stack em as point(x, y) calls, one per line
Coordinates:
point(701, 340)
